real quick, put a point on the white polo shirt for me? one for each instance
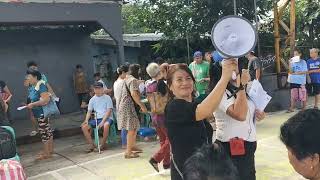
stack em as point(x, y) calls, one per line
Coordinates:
point(228, 128)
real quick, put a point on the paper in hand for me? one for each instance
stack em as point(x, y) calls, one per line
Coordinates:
point(21, 108)
point(259, 96)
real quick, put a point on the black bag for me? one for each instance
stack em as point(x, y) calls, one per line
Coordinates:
point(7, 144)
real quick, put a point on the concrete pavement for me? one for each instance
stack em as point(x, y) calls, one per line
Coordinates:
point(70, 161)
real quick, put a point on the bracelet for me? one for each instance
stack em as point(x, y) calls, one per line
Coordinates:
point(242, 87)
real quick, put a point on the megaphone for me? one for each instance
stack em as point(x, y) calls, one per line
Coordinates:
point(233, 36)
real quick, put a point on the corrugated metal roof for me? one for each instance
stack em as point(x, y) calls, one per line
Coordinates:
point(60, 1)
point(134, 37)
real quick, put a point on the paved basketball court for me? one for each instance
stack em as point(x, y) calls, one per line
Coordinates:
point(71, 162)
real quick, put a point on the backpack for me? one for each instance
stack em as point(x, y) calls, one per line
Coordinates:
point(156, 100)
point(7, 144)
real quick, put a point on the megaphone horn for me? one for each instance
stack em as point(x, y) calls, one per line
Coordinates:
point(233, 36)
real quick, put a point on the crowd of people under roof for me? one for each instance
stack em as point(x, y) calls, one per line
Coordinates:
point(189, 105)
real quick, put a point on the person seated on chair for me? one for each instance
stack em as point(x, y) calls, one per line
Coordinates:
point(102, 105)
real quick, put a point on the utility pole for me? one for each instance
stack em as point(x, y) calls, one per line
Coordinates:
point(292, 27)
point(187, 37)
point(257, 26)
point(235, 7)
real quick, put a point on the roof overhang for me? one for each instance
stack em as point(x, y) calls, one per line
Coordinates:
point(106, 13)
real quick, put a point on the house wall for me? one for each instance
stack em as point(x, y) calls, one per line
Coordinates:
point(56, 52)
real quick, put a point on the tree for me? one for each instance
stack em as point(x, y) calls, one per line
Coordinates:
point(179, 19)
point(188, 18)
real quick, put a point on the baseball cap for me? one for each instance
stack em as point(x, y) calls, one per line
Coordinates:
point(197, 54)
point(98, 85)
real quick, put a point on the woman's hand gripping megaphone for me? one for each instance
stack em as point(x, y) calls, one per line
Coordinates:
point(229, 68)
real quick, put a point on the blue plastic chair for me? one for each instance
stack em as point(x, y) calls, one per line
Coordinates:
point(16, 157)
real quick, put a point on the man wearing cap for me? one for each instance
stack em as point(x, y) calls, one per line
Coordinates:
point(254, 66)
point(97, 78)
point(101, 105)
point(200, 71)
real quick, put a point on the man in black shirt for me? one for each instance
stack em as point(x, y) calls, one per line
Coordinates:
point(254, 66)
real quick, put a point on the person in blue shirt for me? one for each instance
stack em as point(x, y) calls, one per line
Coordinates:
point(314, 72)
point(34, 66)
point(39, 97)
point(297, 78)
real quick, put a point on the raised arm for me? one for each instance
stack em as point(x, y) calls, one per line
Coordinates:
point(210, 104)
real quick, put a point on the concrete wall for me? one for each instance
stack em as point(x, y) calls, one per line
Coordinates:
point(56, 52)
point(280, 97)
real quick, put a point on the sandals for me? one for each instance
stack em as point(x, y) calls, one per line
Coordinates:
point(42, 157)
point(91, 149)
point(154, 164)
point(137, 150)
point(131, 155)
point(33, 133)
point(103, 147)
point(290, 111)
point(166, 166)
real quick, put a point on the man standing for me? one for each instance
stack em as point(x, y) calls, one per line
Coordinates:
point(200, 71)
point(80, 83)
point(314, 72)
point(208, 56)
point(254, 66)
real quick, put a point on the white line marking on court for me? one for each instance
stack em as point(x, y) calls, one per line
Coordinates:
point(163, 172)
point(72, 166)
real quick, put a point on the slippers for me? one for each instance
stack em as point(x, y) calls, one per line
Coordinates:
point(289, 111)
point(89, 150)
point(103, 147)
point(154, 164)
point(131, 155)
point(42, 157)
point(137, 150)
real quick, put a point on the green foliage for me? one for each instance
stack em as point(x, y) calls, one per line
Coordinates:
point(179, 19)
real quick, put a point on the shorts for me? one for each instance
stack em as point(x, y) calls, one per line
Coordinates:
point(92, 122)
point(299, 94)
point(316, 88)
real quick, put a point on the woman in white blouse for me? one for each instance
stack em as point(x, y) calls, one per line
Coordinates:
point(236, 124)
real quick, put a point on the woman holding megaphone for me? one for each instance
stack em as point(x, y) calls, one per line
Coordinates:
point(185, 119)
point(236, 118)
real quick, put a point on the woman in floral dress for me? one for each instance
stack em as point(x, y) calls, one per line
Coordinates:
point(128, 110)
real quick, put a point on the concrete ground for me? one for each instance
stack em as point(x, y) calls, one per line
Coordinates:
point(70, 161)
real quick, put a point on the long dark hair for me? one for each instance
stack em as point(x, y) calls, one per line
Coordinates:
point(173, 69)
point(134, 70)
point(215, 73)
